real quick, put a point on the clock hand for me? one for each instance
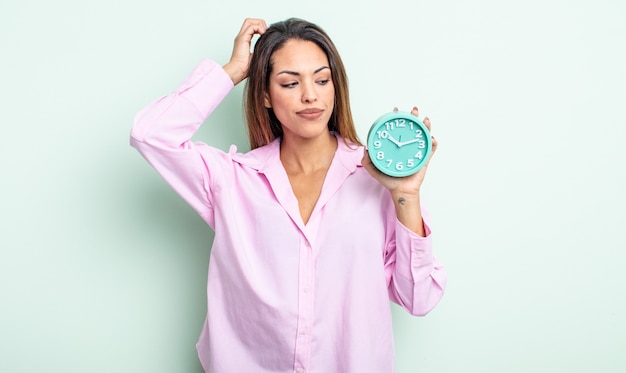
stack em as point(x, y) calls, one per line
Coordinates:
point(393, 140)
point(408, 142)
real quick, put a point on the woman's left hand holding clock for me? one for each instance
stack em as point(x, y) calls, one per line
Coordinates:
point(405, 191)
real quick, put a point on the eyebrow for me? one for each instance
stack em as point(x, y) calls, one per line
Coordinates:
point(298, 74)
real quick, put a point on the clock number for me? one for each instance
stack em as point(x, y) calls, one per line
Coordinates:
point(410, 163)
point(419, 155)
point(421, 144)
point(380, 155)
point(382, 134)
point(377, 144)
point(399, 166)
point(389, 162)
point(419, 133)
point(399, 123)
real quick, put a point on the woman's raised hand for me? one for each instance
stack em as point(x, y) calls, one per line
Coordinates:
point(237, 67)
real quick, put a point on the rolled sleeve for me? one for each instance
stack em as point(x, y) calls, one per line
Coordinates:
point(414, 254)
point(418, 281)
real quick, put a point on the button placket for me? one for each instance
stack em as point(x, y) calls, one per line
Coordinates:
point(305, 307)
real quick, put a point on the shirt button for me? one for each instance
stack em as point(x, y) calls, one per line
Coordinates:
point(418, 253)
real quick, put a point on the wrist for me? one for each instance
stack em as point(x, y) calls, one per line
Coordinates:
point(409, 196)
point(409, 212)
point(235, 73)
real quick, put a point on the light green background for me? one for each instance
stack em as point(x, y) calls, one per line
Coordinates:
point(103, 267)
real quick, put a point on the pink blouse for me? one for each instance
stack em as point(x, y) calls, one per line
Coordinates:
point(283, 296)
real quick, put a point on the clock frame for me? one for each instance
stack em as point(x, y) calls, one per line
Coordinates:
point(399, 144)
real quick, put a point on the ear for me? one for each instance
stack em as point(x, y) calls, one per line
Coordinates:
point(266, 101)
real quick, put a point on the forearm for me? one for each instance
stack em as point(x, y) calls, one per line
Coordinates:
point(409, 211)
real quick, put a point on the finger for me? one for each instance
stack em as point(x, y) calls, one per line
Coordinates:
point(434, 147)
point(415, 111)
point(395, 108)
point(433, 140)
point(257, 23)
point(259, 27)
point(249, 29)
point(366, 162)
point(366, 157)
point(426, 122)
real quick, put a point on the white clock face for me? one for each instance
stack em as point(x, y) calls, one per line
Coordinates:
point(399, 144)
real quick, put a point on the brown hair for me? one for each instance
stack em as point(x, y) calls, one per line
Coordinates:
point(263, 126)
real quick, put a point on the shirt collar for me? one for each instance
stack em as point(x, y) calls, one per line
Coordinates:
point(268, 156)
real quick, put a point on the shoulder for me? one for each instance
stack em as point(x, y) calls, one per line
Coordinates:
point(259, 158)
point(349, 154)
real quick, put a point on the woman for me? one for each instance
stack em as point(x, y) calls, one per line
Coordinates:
point(311, 241)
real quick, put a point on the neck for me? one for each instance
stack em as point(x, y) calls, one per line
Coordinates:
point(307, 155)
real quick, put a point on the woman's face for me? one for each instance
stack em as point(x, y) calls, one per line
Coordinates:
point(301, 90)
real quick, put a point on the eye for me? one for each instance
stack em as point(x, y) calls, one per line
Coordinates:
point(323, 81)
point(289, 85)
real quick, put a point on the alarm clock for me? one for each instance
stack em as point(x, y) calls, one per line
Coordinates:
point(399, 144)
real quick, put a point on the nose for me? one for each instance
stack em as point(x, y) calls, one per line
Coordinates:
point(308, 93)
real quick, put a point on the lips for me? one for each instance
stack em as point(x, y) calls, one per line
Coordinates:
point(312, 113)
